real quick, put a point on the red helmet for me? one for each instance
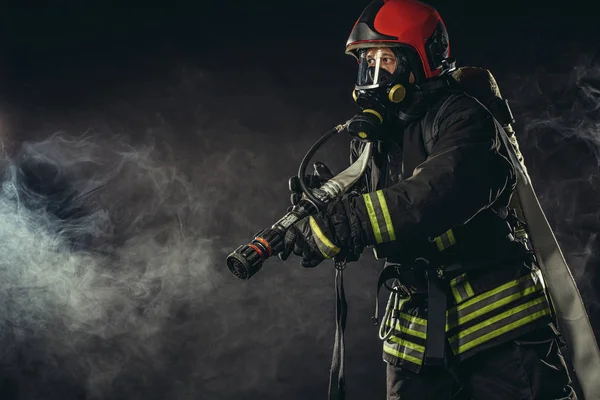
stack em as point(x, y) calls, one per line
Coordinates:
point(404, 23)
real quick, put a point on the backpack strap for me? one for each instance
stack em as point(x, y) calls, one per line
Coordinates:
point(479, 84)
point(430, 124)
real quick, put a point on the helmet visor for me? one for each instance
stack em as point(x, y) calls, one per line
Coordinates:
point(377, 64)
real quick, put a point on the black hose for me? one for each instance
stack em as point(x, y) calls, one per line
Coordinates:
point(303, 165)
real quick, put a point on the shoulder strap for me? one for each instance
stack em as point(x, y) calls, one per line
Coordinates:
point(430, 124)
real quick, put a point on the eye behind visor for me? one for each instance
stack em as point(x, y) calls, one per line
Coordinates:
point(377, 65)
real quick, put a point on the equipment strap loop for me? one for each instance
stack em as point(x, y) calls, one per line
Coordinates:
point(337, 382)
point(436, 319)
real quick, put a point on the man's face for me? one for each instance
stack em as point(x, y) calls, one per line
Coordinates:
point(387, 58)
point(374, 61)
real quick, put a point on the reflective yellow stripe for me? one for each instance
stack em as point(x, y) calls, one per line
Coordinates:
point(454, 287)
point(445, 240)
point(499, 324)
point(451, 238)
point(511, 324)
point(379, 216)
point(496, 318)
point(456, 295)
point(507, 328)
point(373, 217)
point(414, 328)
point(404, 329)
point(469, 289)
point(388, 349)
point(327, 248)
point(439, 243)
point(413, 319)
point(490, 293)
point(386, 215)
point(461, 288)
point(497, 304)
point(455, 281)
point(408, 344)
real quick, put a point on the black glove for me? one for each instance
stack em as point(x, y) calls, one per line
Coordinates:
point(332, 233)
point(315, 180)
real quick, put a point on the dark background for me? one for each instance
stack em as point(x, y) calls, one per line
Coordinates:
point(204, 109)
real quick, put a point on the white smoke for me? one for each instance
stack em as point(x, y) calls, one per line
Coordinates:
point(88, 309)
point(113, 280)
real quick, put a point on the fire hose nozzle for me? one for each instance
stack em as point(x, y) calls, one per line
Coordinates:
point(247, 260)
point(244, 262)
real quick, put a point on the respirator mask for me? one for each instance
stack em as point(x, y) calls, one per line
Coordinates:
point(382, 88)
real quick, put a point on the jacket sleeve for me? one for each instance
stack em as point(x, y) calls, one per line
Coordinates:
point(464, 174)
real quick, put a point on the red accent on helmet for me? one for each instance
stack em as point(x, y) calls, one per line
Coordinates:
point(406, 22)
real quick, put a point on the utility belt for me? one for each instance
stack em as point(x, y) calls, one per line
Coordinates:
point(451, 255)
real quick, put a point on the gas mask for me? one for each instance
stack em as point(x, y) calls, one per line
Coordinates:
point(382, 89)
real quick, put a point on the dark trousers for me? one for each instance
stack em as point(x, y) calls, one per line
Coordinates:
point(528, 368)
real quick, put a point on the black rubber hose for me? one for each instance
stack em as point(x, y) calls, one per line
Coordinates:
point(304, 164)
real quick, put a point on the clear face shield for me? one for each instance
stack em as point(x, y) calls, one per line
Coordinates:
point(376, 65)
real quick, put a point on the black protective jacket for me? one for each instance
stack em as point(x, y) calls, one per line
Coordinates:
point(467, 172)
point(458, 197)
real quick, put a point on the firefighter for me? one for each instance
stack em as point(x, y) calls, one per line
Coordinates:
point(468, 307)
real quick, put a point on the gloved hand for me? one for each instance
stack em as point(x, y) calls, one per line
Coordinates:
point(332, 233)
point(315, 180)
